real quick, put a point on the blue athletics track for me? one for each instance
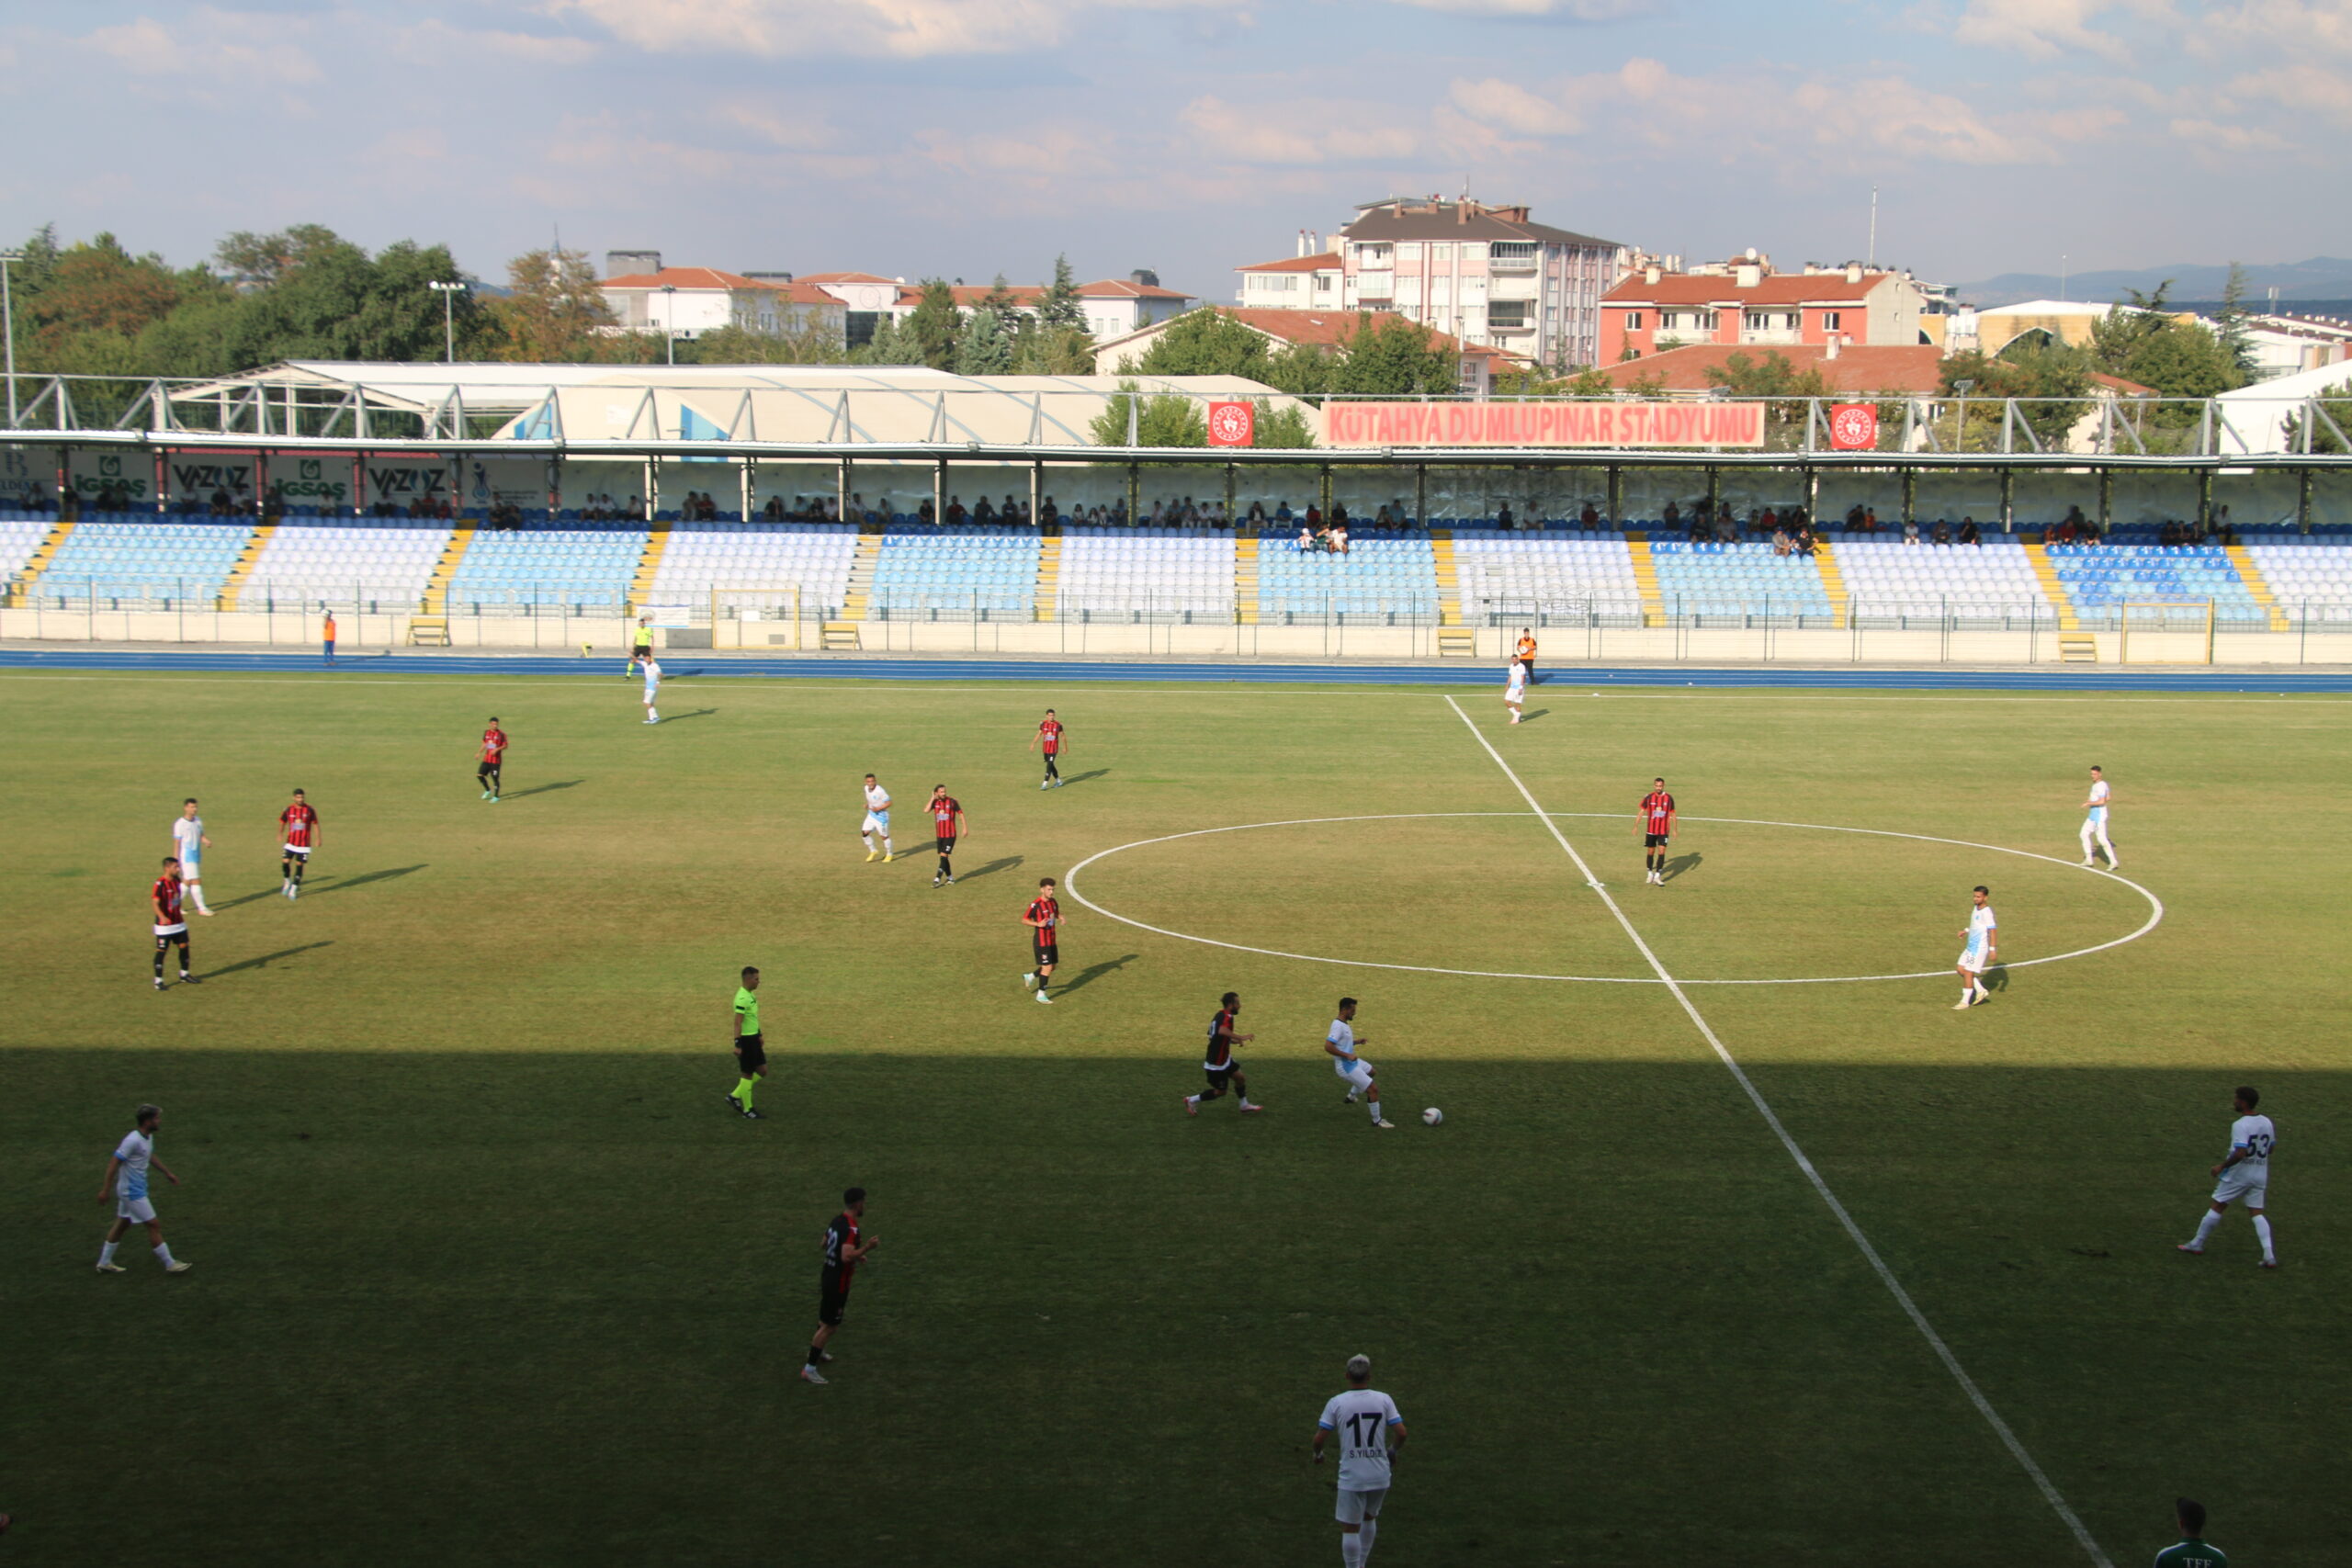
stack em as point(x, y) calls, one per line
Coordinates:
point(683, 664)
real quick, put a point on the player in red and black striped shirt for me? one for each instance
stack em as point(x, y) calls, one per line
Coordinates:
point(1049, 740)
point(493, 761)
point(1658, 832)
point(1045, 922)
point(947, 821)
point(170, 923)
point(1217, 1062)
point(300, 823)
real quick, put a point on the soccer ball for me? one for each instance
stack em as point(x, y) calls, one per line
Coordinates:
point(1433, 1116)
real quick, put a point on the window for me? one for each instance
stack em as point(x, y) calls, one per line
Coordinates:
point(1279, 282)
point(1830, 320)
point(1442, 250)
point(1375, 254)
point(1632, 321)
point(1507, 314)
point(1408, 249)
point(1322, 283)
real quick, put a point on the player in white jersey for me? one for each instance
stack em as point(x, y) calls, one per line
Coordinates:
point(1515, 689)
point(1370, 1432)
point(2244, 1177)
point(189, 843)
point(2094, 820)
point(1977, 957)
point(653, 667)
point(877, 820)
point(1353, 1070)
point(126, 1182)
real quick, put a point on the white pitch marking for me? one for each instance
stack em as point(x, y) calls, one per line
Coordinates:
point(1069, 884)
point(2050, 1494)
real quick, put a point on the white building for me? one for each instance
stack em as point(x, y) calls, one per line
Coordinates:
point(1113, 307)
point(687, 301)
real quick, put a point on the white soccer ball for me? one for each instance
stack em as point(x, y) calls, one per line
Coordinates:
point(1433, 1116)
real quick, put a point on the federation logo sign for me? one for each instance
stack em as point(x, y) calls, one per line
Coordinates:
point(1232, 424)
point(1853, 427)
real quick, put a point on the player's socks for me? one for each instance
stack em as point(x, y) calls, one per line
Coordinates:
point(2262, 1231)
point(1352, 1550)
point(159, 966)
point(106, 1253)
point(163, 1253)
point(2205, 1228)
point(1371, 1532)
point(1375, 1110)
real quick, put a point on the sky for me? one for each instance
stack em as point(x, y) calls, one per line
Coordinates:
point(965, 138)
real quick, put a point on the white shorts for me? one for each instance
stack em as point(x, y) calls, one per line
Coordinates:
point(876, 822)
point(651, 692)
point(297, 849)
point(1355, 1507)
point(138, 1209)
point(191, 868)
point(2239, 1185)
point(1972, 960)
point(1514, 694)
point(171, 931)
point(1358, 1073)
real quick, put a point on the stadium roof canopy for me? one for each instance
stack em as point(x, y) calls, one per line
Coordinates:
point(578, 404)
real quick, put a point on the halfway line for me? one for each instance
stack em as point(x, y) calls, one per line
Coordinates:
point(1772, 1118)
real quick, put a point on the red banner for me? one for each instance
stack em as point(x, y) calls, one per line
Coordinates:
point(1232, 424)
point(1656, 424)
point(1853, 427)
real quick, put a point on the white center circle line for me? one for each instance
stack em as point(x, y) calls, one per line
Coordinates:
point(1070, 885)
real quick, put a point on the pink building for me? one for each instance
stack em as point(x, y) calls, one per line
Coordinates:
point(1746, 303)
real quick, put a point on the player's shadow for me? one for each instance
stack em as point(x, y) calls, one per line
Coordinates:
point(264, 962)
point(1081, 778)
point(542, 789)
point(1006, 864)
point(1996, 978)
point(248, 899)
point(344, 885)
point(1094, 972)
point(699, 712)
point(1531, 717)
point(1682, 863)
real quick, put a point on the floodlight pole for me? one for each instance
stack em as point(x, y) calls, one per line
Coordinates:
point(8, 327)
point(448, 292)
point(670, 322)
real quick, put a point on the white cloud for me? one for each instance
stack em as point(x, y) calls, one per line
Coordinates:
point(1507, 104)
point(210, 48)
point(1309, 132)
point(435, 42)
point(1570, 10)
point(903, 28)
point(2313, 89)
point(2210, 136)
point(2300, 27)
point(2039, 29)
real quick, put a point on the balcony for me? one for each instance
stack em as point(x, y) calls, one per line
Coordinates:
point(1496, 262)
point(1375, 286)
point(1770, 335)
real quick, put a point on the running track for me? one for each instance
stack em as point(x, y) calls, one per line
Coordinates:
point(1063, 672)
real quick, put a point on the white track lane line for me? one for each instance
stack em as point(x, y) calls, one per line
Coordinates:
point(1764, 1107)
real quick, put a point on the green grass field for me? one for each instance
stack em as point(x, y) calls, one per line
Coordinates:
point(487, 1274)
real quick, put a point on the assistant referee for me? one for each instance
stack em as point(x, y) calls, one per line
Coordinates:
point(751, 1051)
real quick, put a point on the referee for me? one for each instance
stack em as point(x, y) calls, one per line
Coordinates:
point(641, 648)
point(751, 1051)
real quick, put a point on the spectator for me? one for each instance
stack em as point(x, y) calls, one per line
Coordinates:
point(1382, 520)
point(1049, 513)
point(924, 512)
point(1009, 512)
point(1305, 540)
point(1503, 516)
point(1970, 533)
point(1943, 531)
point(1314, 517)
point(1673, 517)
point(1724, 533)
point(1257, 512)
point(774, 511)
point(983, 512)
point(1805, 539)
point(1781, 543)
point(1282, 513)
point(955, 513)
point(1910, 530)
point(1589, 517)
point(1858, 521)
point(633, 512)
point(1339, 536)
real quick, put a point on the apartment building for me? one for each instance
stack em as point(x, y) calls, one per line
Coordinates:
point(1744, 302)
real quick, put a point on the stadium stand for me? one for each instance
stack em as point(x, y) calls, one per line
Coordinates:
point(1584, 569)
point(1887, 577)
point(1741, 579)
point(20, 537)
point(813, 556)
point(377, 559)
point(991, 568)
point(1163, 571)
point(1381, 574)
point(2308, 573)
point(2100, 576)
point(587, 564)
point(139, 556)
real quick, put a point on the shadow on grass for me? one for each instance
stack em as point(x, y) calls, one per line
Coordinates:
point(1682, 863)
point(1531, 717)
point(324, 885)
point(1005, 863)
point(542, 789)
point(1081, 778)
point(264, 962)
point(1094, 972)
point(682, 717)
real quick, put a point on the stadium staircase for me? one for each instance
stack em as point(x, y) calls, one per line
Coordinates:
point(1645, 579)
point(1833, 580)
point(23, 592)
point(2052, 586)
point(843, 636)
point(1454, 638)
point(1244, 581)
point(1047, 592)
point(2258, 586)
point(657, 542)
point(233, 589)
point(431, 627)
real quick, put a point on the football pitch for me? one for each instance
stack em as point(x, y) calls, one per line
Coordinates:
point(486, 1272)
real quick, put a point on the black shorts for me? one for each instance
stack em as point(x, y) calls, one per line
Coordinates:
point(948, 844)
point(1220, 1077)
point(486, 769)
point(1655, 841)
point(832, 1301)
point(1047, 953)
point(751, 1051)
point(179, 936)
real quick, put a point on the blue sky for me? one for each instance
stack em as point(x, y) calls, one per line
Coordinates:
point(968, 137)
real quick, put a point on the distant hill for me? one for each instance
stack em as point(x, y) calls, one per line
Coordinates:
point(2320, 278)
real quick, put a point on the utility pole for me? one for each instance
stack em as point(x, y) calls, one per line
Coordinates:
point(1871, 265)
point(8, 326)
point(448, 292)
point(670, 322)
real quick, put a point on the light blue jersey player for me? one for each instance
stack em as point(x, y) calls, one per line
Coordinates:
point(1982, 933)
point(189, 843)
point(653, 667)
point(2095, 819)
point(1340, 1044)
point(877, 820)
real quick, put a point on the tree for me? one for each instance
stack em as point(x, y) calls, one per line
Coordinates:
point(802, 339)
point(1298, 368)
point(985, 347)
point(2047, 379)
point(1040, 350)
point(1390, 355)
point(2118, 335)
point(1204, 342)
point(260, 260)
point(1166, 420)
point(891, 343)
point(2234, 324)
point(327, 299)
point(1286, 427)
point(1058, 308)
point(557, 314)
point(935, 324)
point(1772, 376)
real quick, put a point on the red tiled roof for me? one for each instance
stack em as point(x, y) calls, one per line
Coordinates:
point(1122, 288)
point(1327, 261)
point(2121, 387)
point(1782, 289)
point(1902, 368)
point(686, 278)
point(843, 278)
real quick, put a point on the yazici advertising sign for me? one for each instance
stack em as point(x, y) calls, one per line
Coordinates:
point(1544, 424)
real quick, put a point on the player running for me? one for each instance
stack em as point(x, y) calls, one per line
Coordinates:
point(125, 1180)
point(877, 820)
point(1656, 816)
point(1218, 1064)
point(1050, 738)
point(1977, 957)
point(1044, 918)
point(947, 824)
point(653, 667)
point(2244, 1176)
point(189, 843)
point(170, 925)
point(299, 824)
point(1371, 1431)
point(2094, 820)
point(751, 1046)
point(1353, 1070)
point(1515, 689)
point(847, 1246)
point(493, 761)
